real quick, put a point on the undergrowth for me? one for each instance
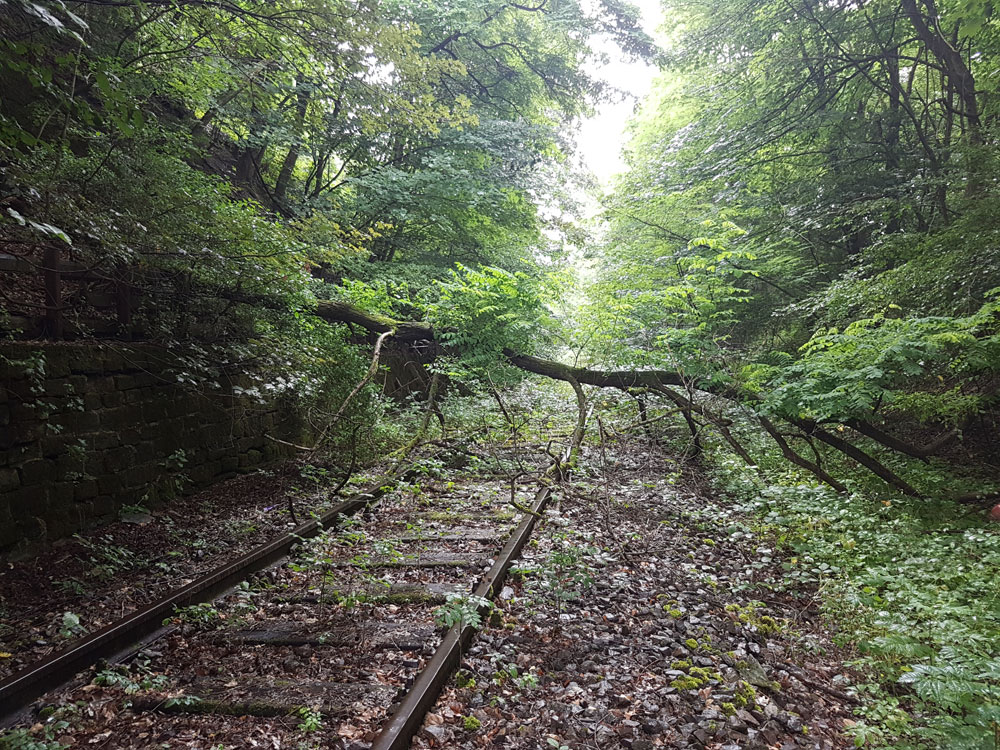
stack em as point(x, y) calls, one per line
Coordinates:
point(910, 589)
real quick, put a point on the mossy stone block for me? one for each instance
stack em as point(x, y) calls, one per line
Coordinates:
point(9, 480)
point(84, 489)
point(37, 471)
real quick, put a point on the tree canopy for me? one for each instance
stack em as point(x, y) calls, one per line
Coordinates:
point(801, 261)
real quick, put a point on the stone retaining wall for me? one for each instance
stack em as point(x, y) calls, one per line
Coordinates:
point(86, 428)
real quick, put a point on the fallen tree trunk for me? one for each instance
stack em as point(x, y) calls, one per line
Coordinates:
point(604, 379)
point(660, 381)
point(342, 312)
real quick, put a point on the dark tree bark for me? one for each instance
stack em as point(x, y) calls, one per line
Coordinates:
point(292, 157)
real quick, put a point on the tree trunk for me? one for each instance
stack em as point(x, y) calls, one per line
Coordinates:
point(958, 73)
point(292, 157)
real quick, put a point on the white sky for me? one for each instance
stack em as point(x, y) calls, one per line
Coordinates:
point(602, 136)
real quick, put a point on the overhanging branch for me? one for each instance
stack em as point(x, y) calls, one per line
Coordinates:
point(657, 380)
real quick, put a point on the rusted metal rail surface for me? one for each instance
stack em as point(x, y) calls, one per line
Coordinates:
point(18, 690)
point(344, 633)
point(398, 731)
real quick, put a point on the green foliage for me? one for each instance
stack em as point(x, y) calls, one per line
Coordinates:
point(471, 724)
point(70, 626)
point(202, 614)
point(657, 304)
point(479, 313)
point(565, 572)
point(881, 361)
point(464, 680)
point(131, 680)
point(183, 701)
point(227, 166)
point(312, 719)
point(105, 558)
point(510, 674)
point(909, 586)
point(25, 739)
point(854, 208)
point(462, 610)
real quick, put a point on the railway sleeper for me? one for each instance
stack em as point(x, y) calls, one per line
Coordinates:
point(374, 635)
point(426, 560)
point(279, 698)
point(465, 534)
point(397, 593)
point(456, 516)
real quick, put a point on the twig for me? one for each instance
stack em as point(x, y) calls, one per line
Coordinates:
point(524, 509)
point(418, 439)
point(351, 466)
point(372, 369)
point(290, 445)
point(804, 679)
point(607, 496)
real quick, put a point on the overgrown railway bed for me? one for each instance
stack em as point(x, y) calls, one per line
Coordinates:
point(633, 618)
point(324, 645)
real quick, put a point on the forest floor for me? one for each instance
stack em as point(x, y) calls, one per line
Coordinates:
point(643, 614)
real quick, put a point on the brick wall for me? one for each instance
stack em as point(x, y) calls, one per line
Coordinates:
point(86, 428)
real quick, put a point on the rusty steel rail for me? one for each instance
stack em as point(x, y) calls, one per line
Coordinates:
point(18, 690)
point(398, 731)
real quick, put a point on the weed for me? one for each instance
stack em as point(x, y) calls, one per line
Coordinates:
point(71, 585)
point(70, 626)
point(465, 680)
point(461, 609)
point(135, 509)
point(182, 701)
point(172, 481)
point(243, 606)
point(132, 680)
point(910, 586)
point(107, 558)
point(315, 474)
point(312, 719)
point(25, 739)
point(565, 572)
point(203, 613)
point(510, 673)
point(471, 724)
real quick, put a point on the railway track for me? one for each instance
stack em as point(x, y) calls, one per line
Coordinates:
point(339, 634)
